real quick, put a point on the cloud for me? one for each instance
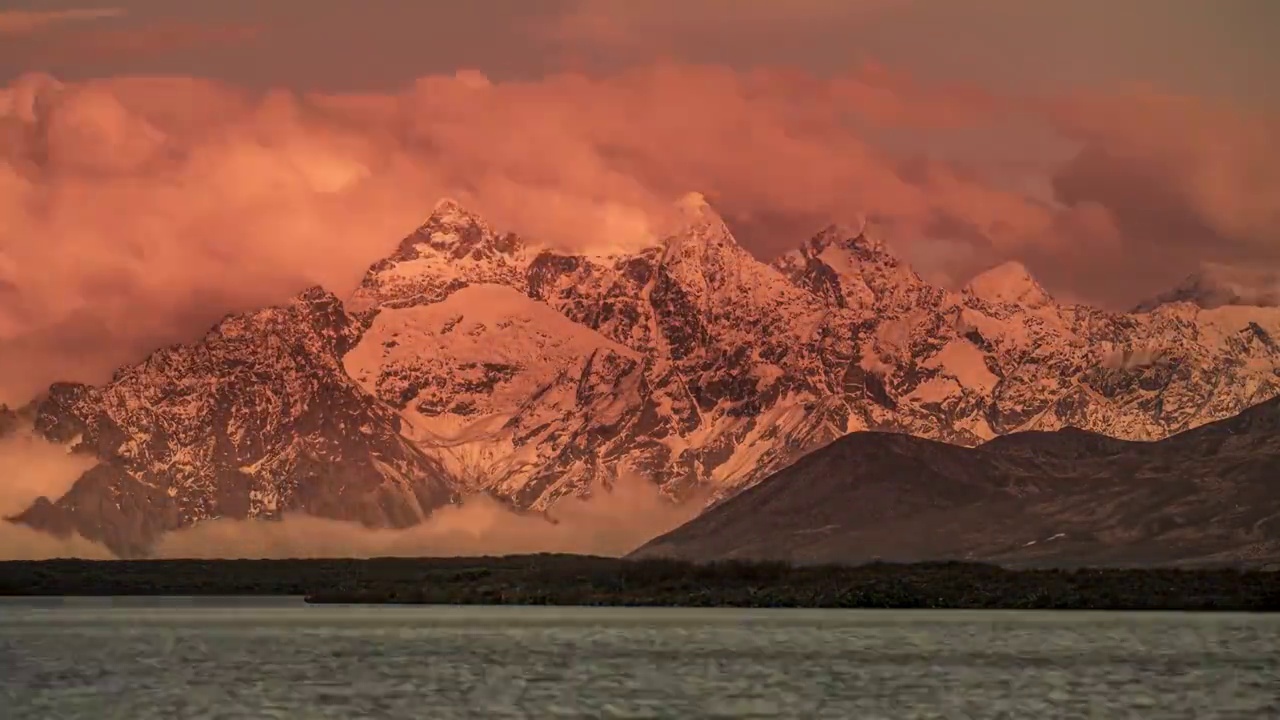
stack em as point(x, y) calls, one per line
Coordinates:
point(139, 210)
point(136, 211)
point(610, 522)
point(1179, 175)
point(30, 468)
point(25, 22)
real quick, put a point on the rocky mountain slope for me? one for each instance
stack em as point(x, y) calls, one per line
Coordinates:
point(1067, 497)
point(473, 361)
point(256, 420)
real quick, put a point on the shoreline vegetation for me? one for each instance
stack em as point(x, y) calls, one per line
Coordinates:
point(573, 580)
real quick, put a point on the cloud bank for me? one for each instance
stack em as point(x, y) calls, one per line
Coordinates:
point(30, 468)
point(136, 211)
point(610, 522)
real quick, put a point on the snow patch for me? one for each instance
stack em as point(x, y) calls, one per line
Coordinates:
point(963, 361)
point(1009, 283)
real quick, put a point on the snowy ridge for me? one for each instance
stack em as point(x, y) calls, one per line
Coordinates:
point(486, 376)
point(1008, 283)
point(256, 420)
point(452, 249)
point(469, 361)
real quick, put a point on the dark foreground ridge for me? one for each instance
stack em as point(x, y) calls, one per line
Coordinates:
point(584, 580)
point(1208, 496)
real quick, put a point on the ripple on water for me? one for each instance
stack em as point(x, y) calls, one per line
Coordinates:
point(262, 661)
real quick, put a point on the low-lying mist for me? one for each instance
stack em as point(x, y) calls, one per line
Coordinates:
point(610, 522)
point(29, 468)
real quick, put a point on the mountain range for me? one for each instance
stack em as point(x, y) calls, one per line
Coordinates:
point(472, 361)
point(1206, 496)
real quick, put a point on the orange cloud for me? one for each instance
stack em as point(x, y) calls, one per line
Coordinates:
point(25, 22)
point(1187, 170)
point(611, 521)
point(134, 212)
point(896, 99)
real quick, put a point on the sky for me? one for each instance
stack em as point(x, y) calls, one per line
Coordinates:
point(164, 163)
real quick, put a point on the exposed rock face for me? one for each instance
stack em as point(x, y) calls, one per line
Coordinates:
point(255, 420)
point(1070, 497)
point(471, 361)
point(452, 249)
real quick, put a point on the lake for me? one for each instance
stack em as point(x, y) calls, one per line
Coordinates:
point(138, 659)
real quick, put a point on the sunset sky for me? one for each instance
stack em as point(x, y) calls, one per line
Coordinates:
point(1224, 47)
point(162, 163)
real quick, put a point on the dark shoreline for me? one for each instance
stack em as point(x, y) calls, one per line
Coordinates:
point(581, 580)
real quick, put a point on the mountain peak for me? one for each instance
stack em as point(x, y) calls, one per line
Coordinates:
point(455, 247)
point(696, 223)
point(1215, 285)
point(848, 237)
point(450, 212)
point(1008, 283)
point(312, 295)
point(694, 205)
point(454, 231)
point(450, 218)
point(693, 209)
point(848, 266)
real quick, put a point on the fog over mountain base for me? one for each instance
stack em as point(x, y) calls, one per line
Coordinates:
point(610, 522)
point(33, 467)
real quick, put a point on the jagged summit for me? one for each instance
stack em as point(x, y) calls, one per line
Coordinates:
point(696, 222)
point(1009, 283)
point(311, 295)
point(857, 239)
point(458, 232)
point(255, 420)
point(701, 253)
point(449, 210)
point(851, 267)
point(453, 248)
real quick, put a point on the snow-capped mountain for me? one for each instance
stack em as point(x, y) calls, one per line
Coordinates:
point(451, 250)
point(255, 420)
point(472, 361)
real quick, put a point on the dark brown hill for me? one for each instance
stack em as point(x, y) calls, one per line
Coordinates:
point(1209, 495)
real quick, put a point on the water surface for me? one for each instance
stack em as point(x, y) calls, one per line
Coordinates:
point(143, 658)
